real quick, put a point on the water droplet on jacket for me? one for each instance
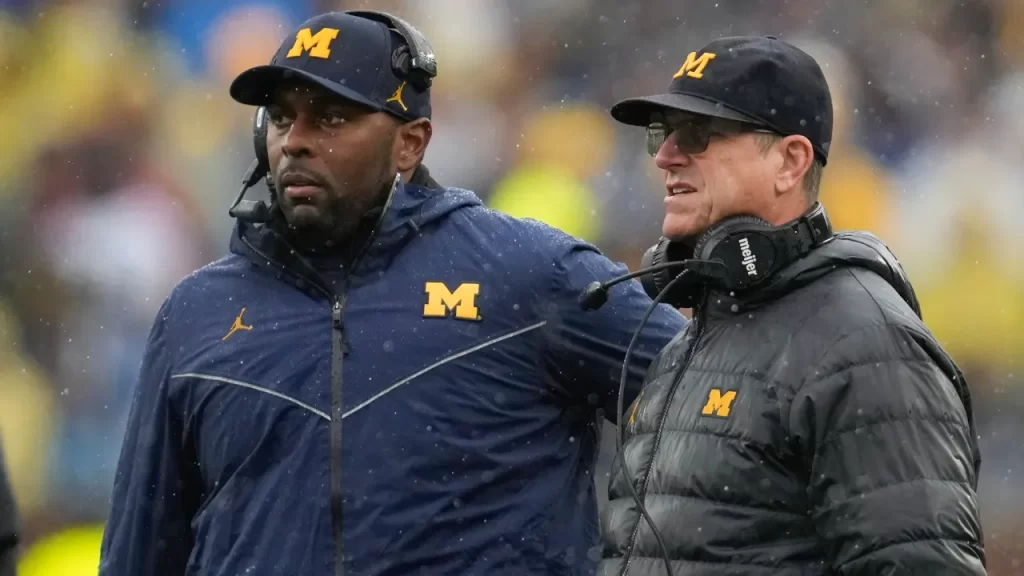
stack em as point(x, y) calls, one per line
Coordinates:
point(734, 308)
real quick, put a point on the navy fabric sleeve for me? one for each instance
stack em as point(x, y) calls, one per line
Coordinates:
point(587, 348)
point(8, 524)
point(155, 490)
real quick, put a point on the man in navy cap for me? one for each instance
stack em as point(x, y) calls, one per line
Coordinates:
point(807, 422)
point(384, 376)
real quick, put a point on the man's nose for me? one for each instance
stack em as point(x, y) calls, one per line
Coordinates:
point(669, 154)
point(300, 139)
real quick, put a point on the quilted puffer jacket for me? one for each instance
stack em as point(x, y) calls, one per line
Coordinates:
point(812, 427)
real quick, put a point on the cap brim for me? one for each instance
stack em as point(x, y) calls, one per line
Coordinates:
point(256, 86)
point(638, 111)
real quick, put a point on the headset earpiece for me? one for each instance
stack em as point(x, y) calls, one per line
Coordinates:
point(735, 254)
point(711, 238)
point(414, 60)
point(400, 61)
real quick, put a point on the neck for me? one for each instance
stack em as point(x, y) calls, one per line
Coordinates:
point(787, 209)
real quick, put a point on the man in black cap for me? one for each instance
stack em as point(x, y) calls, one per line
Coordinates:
point(807, 422)
point(384, 376)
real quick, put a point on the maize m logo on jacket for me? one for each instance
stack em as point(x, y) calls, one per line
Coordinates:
point(318, 45)
point(694, 65)
point(719, 404)
point(441, 301)
point(748, 257)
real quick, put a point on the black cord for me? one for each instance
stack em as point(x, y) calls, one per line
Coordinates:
point(618, 421)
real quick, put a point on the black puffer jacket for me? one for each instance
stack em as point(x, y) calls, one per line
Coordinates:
point(815, 427)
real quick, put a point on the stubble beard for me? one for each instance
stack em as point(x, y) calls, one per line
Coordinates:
point(343, 218)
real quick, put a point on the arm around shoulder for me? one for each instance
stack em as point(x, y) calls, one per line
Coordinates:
point(588, 347)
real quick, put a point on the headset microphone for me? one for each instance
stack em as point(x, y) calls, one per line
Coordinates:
point(250, 210)
point(595, 294)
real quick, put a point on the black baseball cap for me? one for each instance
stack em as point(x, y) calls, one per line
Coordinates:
point(756, 79)
point(346, 54)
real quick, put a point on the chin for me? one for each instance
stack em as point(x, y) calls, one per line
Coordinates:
point(675, 230)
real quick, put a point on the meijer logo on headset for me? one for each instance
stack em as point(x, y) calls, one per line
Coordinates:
point(748, 257)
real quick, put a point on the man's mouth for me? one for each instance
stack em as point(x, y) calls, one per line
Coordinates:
point(300, 185)
point(677, 188)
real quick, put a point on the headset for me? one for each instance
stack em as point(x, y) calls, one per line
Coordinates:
point(413, 61)
point(734, 255)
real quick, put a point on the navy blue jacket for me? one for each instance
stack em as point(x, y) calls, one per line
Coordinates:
point(431, 412)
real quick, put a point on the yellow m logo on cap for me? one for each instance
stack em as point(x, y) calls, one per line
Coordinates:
point(318, 45)
point(694, 65)
point(440, 300)
point(719, 404)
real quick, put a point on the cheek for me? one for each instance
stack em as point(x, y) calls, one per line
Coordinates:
point(273, 149)
point(720, 180)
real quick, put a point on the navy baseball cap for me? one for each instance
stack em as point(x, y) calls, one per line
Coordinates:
point(346, 54)
point(760, 80)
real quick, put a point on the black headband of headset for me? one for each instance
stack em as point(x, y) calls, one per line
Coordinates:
point(423, 65)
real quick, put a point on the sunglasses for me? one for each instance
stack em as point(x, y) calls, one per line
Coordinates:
point(693, 133)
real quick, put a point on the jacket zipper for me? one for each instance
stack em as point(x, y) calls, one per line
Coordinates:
point(339, 349)
point(698, 332)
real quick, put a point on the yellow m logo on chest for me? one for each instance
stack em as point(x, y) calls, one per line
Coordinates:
point(719, 404)
point(694, 65)
point(318, 45)
point(441, 301)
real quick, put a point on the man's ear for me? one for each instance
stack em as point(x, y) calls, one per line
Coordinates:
point(411, 143)
point(797, 157)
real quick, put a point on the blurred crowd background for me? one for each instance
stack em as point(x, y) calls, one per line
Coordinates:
point(122, 150)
